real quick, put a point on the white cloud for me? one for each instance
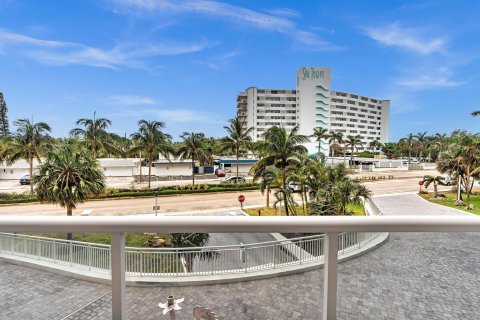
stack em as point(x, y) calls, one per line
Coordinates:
point(407, 38)
point(426, 81)
point(284, 12)
point(127, 100)
point(69, 53)
point(241, 15)
point(437, 78)
point(176, 115)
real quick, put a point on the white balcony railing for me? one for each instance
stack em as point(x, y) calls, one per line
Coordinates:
point(331, 226)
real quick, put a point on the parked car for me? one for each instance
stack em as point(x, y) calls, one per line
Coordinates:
point(25, 180)
point(234, 179)
point(294, 187)
point(447, 180)
point(219, 173)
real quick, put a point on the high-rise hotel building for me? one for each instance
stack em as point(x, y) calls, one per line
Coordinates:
point(312, 105)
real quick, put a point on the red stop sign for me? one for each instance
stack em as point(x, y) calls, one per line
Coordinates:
point(420, 183)
point(241, 198)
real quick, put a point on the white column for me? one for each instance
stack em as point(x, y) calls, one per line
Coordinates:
point(330, 276)
point(119, 309)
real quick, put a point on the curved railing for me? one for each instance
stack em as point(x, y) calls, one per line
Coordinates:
point(155, 262)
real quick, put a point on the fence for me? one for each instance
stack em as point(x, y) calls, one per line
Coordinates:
point(176, 262)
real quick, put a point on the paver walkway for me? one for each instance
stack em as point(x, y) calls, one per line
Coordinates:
point(412, 276)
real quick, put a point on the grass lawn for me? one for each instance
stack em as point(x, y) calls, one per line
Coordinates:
point(450, 198)
point(131, 239)
point(357, 209)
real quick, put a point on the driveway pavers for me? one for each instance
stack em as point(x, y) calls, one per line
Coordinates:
point(412, 276)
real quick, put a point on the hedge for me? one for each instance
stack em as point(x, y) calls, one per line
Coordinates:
point(6, 198)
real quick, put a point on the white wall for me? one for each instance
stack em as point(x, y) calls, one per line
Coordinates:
point(117, 171)
point(172, 169)
point(243, 168)
point(12, 173)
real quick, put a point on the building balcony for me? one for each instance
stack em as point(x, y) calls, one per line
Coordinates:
point(395, 281)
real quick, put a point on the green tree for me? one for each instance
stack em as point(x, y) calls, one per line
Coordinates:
point(94, 134)
point(193, 148)
point(320, 134)
point(435, 180)
point(270, 177)
point(421, 141)
point(353, 142)
point(4, 126)
point(29, 143)
point(151, 140)
point(68, 177)
point(375, 144)
point(277, 148)
point(300, 171)
point(192, 241)
point(238, 138)
point(335, 138)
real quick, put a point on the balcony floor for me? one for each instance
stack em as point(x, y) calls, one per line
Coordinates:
point(412, 276)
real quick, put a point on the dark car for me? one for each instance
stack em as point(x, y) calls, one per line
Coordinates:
point(25, 180)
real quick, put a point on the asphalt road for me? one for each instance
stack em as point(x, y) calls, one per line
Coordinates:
point(189, 203)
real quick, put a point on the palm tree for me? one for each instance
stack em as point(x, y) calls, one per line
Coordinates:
point(436, 180)
point(353, 142)
point(300, 172)
point(150, 139)
point(238, 138)
point(29, 143)
point(320, 134)
point(375, 144)
point(191, 240)
point(68, 177)
point(193, 148)
point(409, 141)
point(270, 177)
point(421, 140)
point(334, 138)
point(440, 141)
point(94, 134)
point(278, 146)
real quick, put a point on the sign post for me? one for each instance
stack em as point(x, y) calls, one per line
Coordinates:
point(420, 184)
point(241, 199)
point(156, 207)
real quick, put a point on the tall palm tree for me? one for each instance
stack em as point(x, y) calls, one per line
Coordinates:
point(29, 143)
point(335, 138)
point(352, 142)
point(94, 134)
point(278, 146)
point(421, 140)
point(68, 177)
point(270, 177)
point(300, 172)
point(320, 134)
point(193, 148)
point(409, 142)
point(238, 138)
point(440, 141)
point(375, 144)
point(152, 141)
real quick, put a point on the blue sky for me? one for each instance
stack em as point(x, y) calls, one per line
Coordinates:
point(183, 62)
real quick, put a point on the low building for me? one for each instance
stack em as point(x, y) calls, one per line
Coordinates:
point(173, 167)
point(229, 165)
point(16, 170)
point(110, 167)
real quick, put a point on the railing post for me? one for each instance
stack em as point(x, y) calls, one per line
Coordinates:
point(330, 276)
point(70, 253)
point(119, 310)
point(273, 259)
point(89, 257)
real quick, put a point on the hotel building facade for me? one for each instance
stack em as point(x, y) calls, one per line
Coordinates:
point(312, 105)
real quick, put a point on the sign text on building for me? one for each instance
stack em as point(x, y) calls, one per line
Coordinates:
point(312, 73)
